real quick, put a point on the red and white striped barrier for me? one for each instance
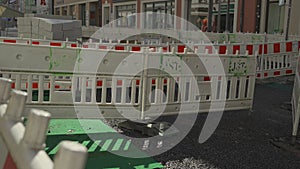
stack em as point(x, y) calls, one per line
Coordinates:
point(277, 59)
point(273, 59)
point(125, 90)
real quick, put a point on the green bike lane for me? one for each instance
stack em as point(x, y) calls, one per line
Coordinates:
point(103, 144)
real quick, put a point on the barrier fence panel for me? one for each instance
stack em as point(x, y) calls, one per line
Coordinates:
point(277, 59)
point(273, 59)
point(296, 102)
point(62, 78)
point(23, 147)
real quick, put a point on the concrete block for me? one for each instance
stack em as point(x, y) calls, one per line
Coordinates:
point(24, 29)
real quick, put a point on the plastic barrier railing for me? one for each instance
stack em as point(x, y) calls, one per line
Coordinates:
point(273, 59)
point(23, 147)
point(54, 84)
point(296, 102)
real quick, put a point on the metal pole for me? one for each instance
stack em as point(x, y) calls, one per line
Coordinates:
point(242, 16)
point(210, 10)
point(267, 16)
point(288, 20)
point(219, 16)
point(227, 16)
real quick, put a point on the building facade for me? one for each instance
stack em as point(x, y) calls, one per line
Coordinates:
point(88, 11)
point(241, 16)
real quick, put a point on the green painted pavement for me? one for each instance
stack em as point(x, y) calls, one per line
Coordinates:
point(101, 141)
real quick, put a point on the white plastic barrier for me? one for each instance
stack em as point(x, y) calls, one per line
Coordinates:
point(22, 147)
point(277, 59)
point(53, 85)
point(296, 102)
point(273, 59)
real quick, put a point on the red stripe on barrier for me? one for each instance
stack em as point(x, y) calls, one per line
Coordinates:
point(136, 48)
point(206, 78)
point(250, 49)
point(85, 46)
point(55, 44)
point(289, 71)
point(99, 83)
point(55, 86)
point(73, 45)
point(265, 46)
point(119, 48)
point(209, 48)
point(9, 163)
point(35, 42)
point(13, 85)
point(9, 41)
point(276, 48)
point(289, 47)
point(277, 73)
point(236, 48)
point(137, 82)
point(153, 81)
point(165, 81)
point(258, 75)
point(180, 48)
point(119, 82)
point(165, 49)
point(102, 47)
point(35, 85)
point(222, 49)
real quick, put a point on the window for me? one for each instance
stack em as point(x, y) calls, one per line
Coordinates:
point(57, 11)
point(159, 15)
point(125, 15)
point(64, 10)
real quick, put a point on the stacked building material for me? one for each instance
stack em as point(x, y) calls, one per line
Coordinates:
point(51, 29)
point(24, 26)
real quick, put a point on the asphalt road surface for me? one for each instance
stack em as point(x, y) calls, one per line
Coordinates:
point(242, 140)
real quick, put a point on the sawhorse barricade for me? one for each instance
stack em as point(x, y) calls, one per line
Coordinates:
point(23, 147)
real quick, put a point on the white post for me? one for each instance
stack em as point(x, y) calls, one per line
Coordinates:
point(16, 105)
point(71, 155)
point(5, 88)
point(35, 133)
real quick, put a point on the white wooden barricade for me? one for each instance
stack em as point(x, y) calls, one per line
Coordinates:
point(296, 102)
point(23, 147)
point(47, 74)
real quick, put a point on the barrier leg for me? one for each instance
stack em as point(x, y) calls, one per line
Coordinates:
point(296, 124)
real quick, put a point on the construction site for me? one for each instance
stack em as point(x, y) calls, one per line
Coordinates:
point(130, 84)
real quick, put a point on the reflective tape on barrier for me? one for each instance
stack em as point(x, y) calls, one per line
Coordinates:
point(274, 59)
